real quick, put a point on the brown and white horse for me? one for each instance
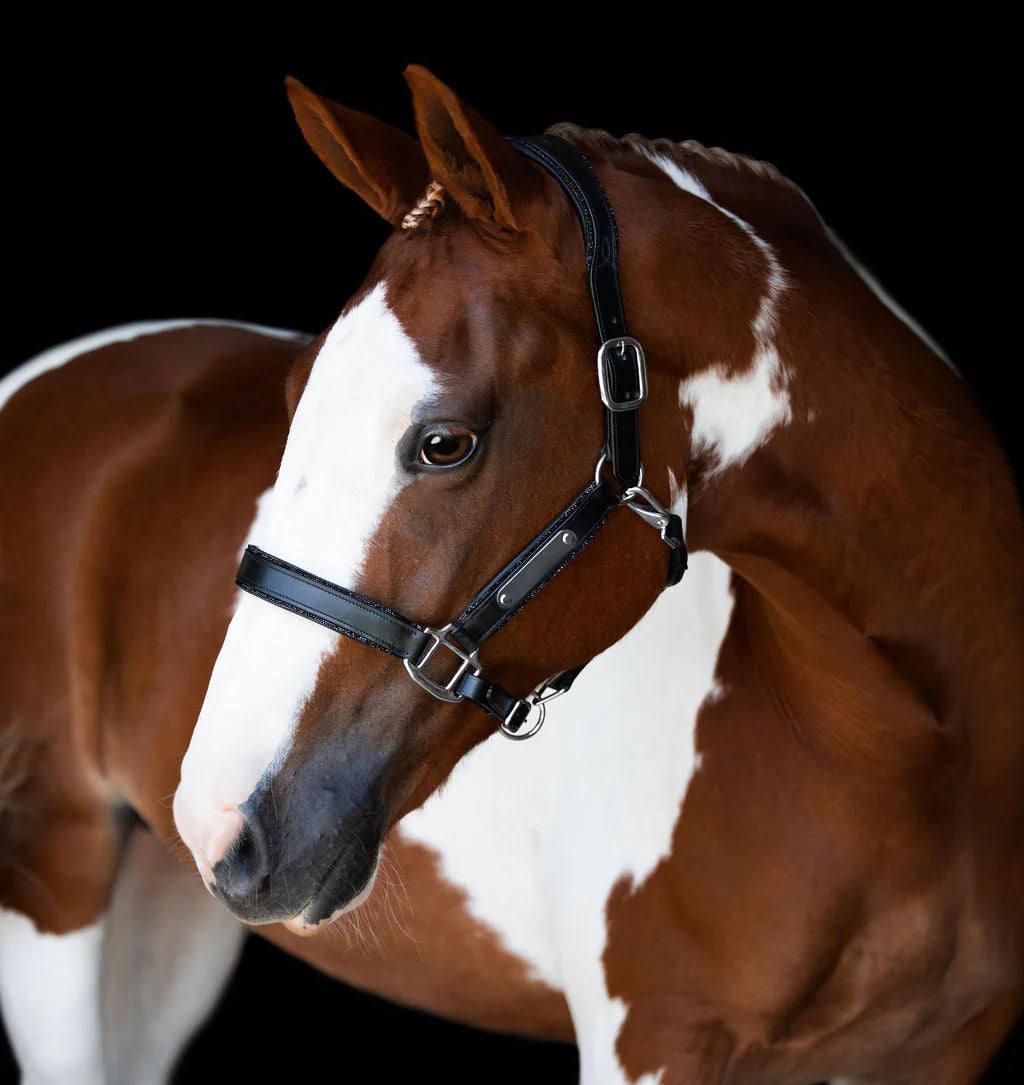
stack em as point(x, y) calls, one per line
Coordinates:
point(774, 833)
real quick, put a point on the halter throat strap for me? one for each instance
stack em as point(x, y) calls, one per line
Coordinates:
point(622, 381)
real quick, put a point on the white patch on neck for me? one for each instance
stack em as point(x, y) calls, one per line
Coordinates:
point(538, 833)
point(336, 482)
point(734, 414)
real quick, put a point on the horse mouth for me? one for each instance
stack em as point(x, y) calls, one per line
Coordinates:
point(332, 899)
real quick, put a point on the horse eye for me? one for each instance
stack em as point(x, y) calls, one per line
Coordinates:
point(447, 447)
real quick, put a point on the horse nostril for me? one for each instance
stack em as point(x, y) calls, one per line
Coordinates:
point(242, 851)
point(243, 874)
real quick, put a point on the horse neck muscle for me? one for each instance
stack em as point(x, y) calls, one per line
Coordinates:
point(830, 457)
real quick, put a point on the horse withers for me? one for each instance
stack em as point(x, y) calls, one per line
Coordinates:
point(772, 833)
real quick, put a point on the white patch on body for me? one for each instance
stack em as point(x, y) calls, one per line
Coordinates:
point(337, 479)
point(538, 833)
point(733, 414)
point(169, 951)
point(50, 998)
point(57, 356)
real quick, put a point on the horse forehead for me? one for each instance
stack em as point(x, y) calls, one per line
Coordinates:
point(367, 370)
point(339, 473)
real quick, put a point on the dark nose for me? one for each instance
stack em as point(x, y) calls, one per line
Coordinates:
point(308, 841)
point(244, 876)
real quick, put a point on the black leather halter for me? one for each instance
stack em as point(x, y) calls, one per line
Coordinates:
point(622, 380)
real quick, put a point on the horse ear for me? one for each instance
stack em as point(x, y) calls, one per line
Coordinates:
point(490, 181)
point(383, 165)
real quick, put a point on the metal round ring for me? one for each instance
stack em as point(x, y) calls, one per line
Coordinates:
point(603, 459)
point(521, 736)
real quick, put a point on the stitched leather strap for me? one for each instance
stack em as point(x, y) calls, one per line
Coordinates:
point(287, 586)
point(534, 566)
point(339, 609)
point(353, 615)
point(597, 220)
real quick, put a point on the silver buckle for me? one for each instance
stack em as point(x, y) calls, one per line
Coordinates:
point(470, 661)
point(621, 345)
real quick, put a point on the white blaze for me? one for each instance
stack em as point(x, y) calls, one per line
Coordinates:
point(337, 478)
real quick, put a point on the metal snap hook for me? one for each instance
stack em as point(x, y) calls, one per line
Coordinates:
point(649, 509)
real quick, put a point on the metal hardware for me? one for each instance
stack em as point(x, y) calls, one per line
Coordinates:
point(605, 371)
point(521, 736)
point(602, 460)
point(506, 596)
point(538, 699)
point(470, 661)
point(651, 511)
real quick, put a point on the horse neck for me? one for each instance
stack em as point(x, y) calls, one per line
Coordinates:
point(838, 466)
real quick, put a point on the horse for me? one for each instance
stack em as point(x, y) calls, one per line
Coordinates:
point(773, 831)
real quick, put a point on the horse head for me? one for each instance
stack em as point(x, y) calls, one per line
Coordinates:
point(452, 412)
point(446, 416)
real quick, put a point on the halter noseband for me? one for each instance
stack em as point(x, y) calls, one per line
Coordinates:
point(622, 379)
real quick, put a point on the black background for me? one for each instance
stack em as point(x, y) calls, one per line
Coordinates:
point(155, 171)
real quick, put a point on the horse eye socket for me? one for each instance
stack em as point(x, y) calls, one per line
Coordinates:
point(446, 447)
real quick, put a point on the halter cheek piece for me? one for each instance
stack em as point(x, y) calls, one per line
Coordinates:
point(622, 379)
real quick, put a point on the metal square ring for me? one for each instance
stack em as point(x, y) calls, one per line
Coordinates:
point(470, 661)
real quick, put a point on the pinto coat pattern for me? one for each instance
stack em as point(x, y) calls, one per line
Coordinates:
point(773, 834)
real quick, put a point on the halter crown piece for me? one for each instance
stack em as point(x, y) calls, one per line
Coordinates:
point(622, 380)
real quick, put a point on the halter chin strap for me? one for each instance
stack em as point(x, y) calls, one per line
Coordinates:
point(622, 380)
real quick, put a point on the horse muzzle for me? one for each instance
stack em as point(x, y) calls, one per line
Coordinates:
point(307, 850)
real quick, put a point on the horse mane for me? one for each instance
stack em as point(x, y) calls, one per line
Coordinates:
point(754, 190)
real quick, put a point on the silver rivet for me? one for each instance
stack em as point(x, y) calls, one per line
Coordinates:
point(503, 599)
point(568, 538)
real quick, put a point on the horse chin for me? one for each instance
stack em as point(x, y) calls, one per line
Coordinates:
point(309, 920)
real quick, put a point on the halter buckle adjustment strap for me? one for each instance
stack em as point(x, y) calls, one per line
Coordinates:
point(612, 359)
point(621, 370)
